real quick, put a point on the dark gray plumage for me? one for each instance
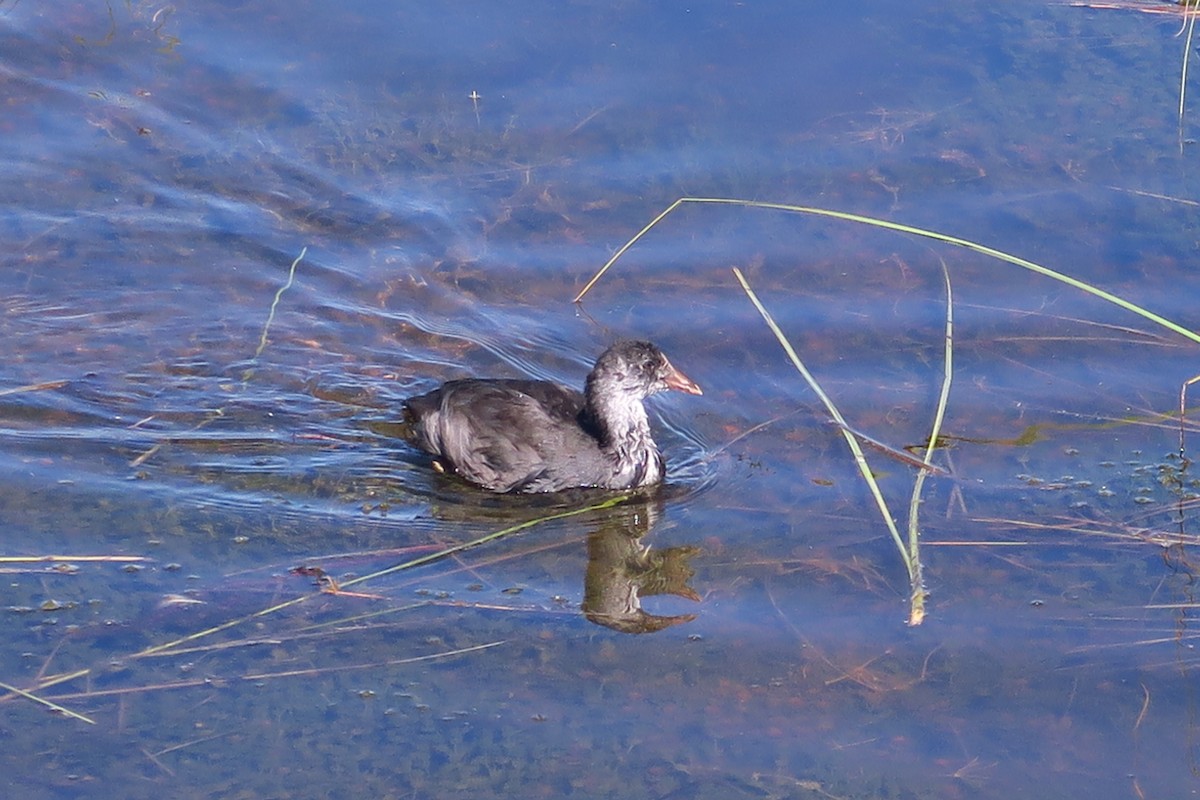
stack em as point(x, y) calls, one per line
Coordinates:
point(537, 436)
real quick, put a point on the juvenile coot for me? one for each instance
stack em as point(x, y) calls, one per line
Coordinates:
point(537, 436)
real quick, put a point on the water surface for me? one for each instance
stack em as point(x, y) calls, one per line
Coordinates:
point(452, 178)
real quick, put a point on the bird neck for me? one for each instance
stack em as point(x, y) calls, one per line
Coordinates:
point(619, 422)
point(618, 419)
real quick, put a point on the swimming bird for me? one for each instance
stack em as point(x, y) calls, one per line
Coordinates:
point(536, 436)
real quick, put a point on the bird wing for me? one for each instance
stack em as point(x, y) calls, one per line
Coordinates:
point(498, 433)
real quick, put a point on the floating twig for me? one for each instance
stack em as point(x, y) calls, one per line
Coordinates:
point(262, 342)
point(55, 707)
point(61, 558)
point(33, 387)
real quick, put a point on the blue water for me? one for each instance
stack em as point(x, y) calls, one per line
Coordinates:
point(238, 235)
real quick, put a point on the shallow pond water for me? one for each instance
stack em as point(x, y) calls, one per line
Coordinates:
point(240, 234)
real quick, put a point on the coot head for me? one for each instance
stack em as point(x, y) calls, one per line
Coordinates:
point(637, 370)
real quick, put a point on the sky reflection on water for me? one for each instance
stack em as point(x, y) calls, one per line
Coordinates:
point(165, 165)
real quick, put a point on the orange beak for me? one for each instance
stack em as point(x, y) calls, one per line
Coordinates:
point(679, 382)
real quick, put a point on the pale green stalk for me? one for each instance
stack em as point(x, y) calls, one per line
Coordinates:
point(859, 458)
point(896, 226)
point(917, 599)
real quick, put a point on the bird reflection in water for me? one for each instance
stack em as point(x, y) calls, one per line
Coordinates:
point(622, 569)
